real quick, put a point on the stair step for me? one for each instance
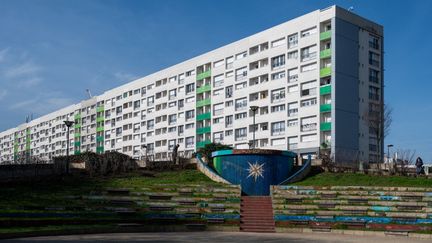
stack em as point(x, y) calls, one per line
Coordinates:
point(256, 215)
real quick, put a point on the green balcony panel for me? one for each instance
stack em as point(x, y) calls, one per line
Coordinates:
point(99, 129)
point(99, 149)
point(203, 75)
point(326, 89)
point(77, 135)
point(99, 138)
point(203, 130)
point(324, 72)
point(325, 53)
point(325, 35)
point(77, 143)
point(325, 126)
point(77, 152)
point(77, 116)
point(203, 89)
point(204, 102)
point(203, 143)
point(203, 116)
point(325, 108)
point(77, 126)
point(100, 119)
point(100, 109)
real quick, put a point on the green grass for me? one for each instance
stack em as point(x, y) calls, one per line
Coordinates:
point(353, 179)
point(52, 193)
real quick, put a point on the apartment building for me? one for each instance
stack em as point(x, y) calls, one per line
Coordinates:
point(315, 80)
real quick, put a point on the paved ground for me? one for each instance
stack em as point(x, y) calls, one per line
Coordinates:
point(222, 237)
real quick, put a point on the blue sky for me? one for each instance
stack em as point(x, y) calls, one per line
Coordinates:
point(51, 51)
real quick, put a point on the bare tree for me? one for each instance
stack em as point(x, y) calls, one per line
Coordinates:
point(379, 119)
point(405, 157)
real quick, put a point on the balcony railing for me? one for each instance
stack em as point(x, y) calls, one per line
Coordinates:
point(325, 126)
point(325, 90)
point(203, 130)
point(325, 53)
point(324, 72)
point(203, 75)
point(325, 35)
point(204, 102)
point(325, 108)
point(203, 89)
point(202, 143)
point(203, 116)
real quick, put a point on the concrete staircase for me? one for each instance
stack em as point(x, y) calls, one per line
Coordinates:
point(256, 214)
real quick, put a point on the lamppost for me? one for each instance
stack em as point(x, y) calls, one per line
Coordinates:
point(388, 151)
point(68, 124)
point(253, 108)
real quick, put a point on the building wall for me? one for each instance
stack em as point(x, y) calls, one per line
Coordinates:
point(135, 118)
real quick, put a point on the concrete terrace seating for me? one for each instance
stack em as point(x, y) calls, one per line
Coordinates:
point(339, 207)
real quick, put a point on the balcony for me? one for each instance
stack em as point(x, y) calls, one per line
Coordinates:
point(203, 75)
point(325, 126)
point(325, 72)
point(325, 53)
point(100, 149)
point(77, 116)
point(99, 139)
point(99, 129)
point(100, 108)
point(325, 108)
point(77, 126)
point(203, 89)
point(325, 90)
point(202, 143)
point(77, 144)
point(325, 35)
point(76, 135)
point(203, 130)
point(202, 103)
point(100, 119)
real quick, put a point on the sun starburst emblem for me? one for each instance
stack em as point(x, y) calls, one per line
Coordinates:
point(255, 170)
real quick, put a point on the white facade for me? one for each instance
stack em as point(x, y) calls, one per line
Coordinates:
point(289, 71)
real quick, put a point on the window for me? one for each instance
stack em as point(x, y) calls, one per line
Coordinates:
point(241, 55)
point(308, 102)
point(218, 63)
point(150, 101)
point(308, 32)
point(190, 99)
point(190, 114)
point(218, 137)
point(278, 75)
point(373, 75)
point(293, 88)
point(277, 95)
point(172, 94)
point(293, 55)
point(218, 80)
point(190, 73)
point(241, 85)
point(228, 121)
point(374, 93)
point(292, 40)
point(292, 75)
point(218, 109)
point(308, 124)
point(277, 108)
point(308, 53)
point(240, 116)
point(374, 59)
point(172, 119)
point(229, 62)
point(180, 104)
point(373, 42)
point(218, 92)
point(292, 109)
point(218, 120)
point(241, 134)
point(278, 141)
point(278, 61)
point(150, 124)
point(229, 74)
point(228, 92)
point(190, 88)
point(292, 143)
point(241, 104)
point(308, 88)
point(308, 67)
point(278, 42)
point(241, 74)
point(189, 142)
point(292, 123)
point(308, 138)
point(189, 126)
point(278, 128)
point(228, 133)
point(229, 103)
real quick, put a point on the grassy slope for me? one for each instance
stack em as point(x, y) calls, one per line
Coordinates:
point(352, 179)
